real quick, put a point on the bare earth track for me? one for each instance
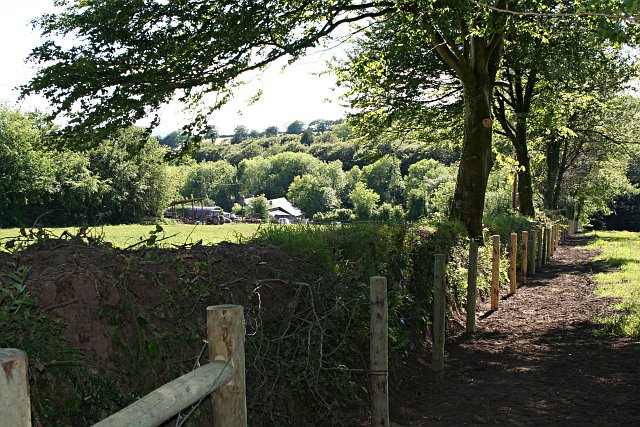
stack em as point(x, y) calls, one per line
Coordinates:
point(535, 361)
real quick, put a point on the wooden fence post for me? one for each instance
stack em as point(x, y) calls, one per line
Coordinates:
point(439, 309)
point(549, 243)
point(512, 263)
point(540, 251)
point(472, 286)
point(379, 352)
point(525, 256)
point(534, 252)
point(545, 242)
point(495, 271)
point(226, 333)
point(15, 406)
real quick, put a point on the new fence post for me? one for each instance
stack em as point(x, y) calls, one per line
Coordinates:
point(439, 309)
point(495, 271)
point(534, 252)
point(540, 251)
point(472, 286)
point(525, 256)
point(226, 333)
point(379, 352)
point(545, 243)
point(15, 406)
point(512, 263)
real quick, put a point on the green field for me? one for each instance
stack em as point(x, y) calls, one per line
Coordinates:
point(123, 236)
point(620, 250)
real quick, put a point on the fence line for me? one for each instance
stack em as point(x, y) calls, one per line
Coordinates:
point(224, 377)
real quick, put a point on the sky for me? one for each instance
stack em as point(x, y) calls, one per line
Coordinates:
point(293, 94)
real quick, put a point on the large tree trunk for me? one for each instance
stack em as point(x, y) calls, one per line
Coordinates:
point(552, 152)
point(476, 159)
point(525, 187)
point(519, 96)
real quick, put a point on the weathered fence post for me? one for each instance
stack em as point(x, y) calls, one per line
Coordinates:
point(549, 243)
point(512, 263)
point(379, 352)
point(534, 252)
point(226, 333)
point(472, 286)
point(495, 271)
point(525, 256)
point(15, 407)
point(439, 309)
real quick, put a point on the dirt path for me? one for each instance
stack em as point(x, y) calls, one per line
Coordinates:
point(535, 361)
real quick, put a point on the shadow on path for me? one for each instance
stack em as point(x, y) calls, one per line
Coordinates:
point(535, 361)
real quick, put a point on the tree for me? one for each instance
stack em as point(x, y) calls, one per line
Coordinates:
point(308, 193)
point(589, 134)
point(384, 177)
point(307, 137)
point(295, 128)
point(395, 78)
point(240, 134)
point(212, 180)
point(131, 165)
point(271, 131)
point(320, 125)
point(174, 139)
point(38, 182)
point(364, 201)
point(120, 71)
point(558, 58)
point(427, 187)
point(258, 208)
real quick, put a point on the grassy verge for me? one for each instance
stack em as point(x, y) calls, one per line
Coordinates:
point(123, 236)
point(621, 252)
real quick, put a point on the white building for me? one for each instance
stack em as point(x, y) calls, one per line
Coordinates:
point(281, 210)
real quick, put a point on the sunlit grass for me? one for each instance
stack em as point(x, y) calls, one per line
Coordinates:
point(123, 236)
point(621, 252)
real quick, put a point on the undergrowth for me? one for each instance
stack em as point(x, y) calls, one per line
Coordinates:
point(619, 250)
point(307, 319)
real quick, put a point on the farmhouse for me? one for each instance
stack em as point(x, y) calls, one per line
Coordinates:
point(281, 210)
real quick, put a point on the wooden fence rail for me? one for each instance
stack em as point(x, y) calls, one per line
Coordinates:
point(223, 378)
point(166, 401)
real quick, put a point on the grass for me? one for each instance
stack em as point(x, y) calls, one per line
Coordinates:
point(620, 250)
point(123, 236)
